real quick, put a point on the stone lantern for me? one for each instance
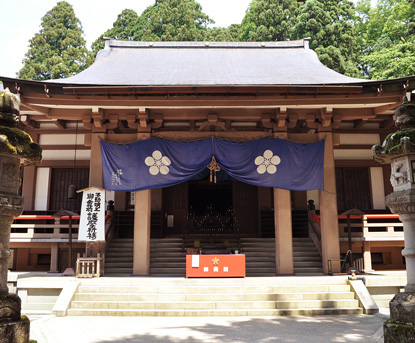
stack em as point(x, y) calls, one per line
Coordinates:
point(398, 149)
point(16, 149)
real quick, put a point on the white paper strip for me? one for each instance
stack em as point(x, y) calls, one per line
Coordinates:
point(195, 261)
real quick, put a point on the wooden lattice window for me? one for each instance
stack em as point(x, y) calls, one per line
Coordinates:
point(61, 179)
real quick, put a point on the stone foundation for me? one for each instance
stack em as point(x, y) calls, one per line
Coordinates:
point(401, 326)
point(15, 332)
point(398, 333)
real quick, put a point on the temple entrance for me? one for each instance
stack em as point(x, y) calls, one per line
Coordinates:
point(204, 207)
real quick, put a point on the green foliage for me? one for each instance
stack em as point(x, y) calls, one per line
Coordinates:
point(329, 25)
point(387, 37)
point(58, 50)
point(123, 28)
point(269, 20)
point(222, 34)
point(173, 20)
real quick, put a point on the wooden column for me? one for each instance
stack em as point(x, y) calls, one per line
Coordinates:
point(283, 226)
point(142, 215)
point(330, 245)
point(283, 232)
point(367, 257)
point(95, 164)
point(54, 256)
point(28, 187)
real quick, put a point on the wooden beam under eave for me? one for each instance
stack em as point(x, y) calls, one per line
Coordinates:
point(60, 124)
point(215, 100)
point(29, 123)
point(358, 124)
point(65, 147)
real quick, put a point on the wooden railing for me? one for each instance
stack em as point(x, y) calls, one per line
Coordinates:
point(373, 226)
point(89, 267)
point(44, 227)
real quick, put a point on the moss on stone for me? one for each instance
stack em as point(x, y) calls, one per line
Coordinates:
point(393, 140)
point(17, 142)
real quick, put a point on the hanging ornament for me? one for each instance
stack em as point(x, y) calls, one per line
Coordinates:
point(213, 166)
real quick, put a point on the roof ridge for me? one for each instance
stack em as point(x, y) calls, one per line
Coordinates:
point(113, 43)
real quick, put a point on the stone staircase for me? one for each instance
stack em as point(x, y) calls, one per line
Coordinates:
point(119, 257)
point(167, 257)
point(384, 287)
point(168, 260)
point(213, 297)
point(259, 256)
point(307, 259)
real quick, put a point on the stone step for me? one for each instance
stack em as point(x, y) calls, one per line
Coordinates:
point(232, 305)
point(307, 264)
point(38, 306)
point(111, 265)
point(214, 312)
point(214, 288)
point(310, 259)
point(213, 296)
point(119, 270)
point(306, 254)
point(308, 270)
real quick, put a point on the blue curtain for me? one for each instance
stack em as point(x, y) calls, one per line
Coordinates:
point(156, 163)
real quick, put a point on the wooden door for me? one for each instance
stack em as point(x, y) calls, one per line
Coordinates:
point(61, 179)
point(245, 203)
point(175, 203)
point(353, 188)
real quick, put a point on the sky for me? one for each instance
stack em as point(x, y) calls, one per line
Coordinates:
point(20, 20)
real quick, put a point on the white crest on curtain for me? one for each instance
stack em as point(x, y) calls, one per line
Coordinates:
point(158, 163)
point(267, 162)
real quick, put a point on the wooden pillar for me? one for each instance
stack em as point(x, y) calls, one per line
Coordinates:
point(95, 164)
point(330, 245)
point(28, 187)
point(367, 257)
point(283, 232)
point(54, 256)
point(142, 214)
point(142, 223)
point(283, 225)
point(29, 183)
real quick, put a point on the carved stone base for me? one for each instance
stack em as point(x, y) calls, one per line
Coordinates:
point(10, 307)
point(15, 332)
point(402, 308)
point(398, 333)
point(401, 326)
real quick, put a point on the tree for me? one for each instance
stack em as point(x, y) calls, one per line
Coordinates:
point(58, 50)
point(269, 20)
point(123, 28)
point(173, 20)
point(387, 35)
point(329, 25)
point(222, 34)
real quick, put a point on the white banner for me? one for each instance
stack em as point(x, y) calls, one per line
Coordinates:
point(92, 223)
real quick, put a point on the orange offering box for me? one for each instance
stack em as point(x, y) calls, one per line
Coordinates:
point(215, 266)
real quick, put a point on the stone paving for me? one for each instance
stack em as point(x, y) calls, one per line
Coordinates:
point(316, 329)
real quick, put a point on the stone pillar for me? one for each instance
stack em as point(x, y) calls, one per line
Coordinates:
point(399, 150)
point(330, 245)
point(16, 149)
point(283, 232)
point(142, 214)
point(367, 257)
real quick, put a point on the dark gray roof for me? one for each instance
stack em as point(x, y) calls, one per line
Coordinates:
point(124, 63)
